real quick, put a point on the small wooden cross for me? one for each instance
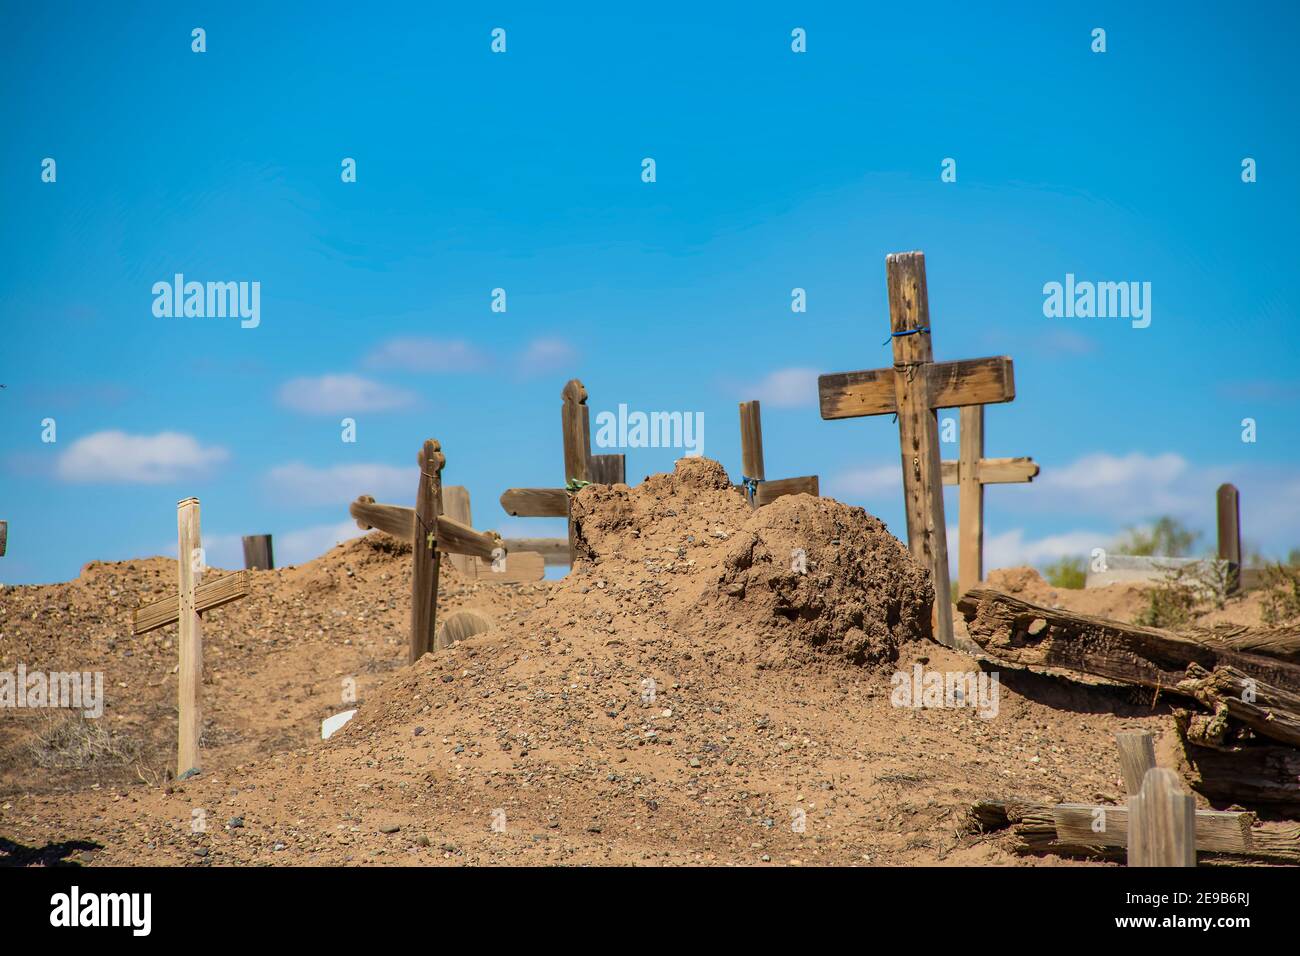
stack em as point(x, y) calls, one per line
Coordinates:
point(970, 473)
point(581, 467)
point(191, 600)
point(431, 534)
point(913, 389)
point(754, 484)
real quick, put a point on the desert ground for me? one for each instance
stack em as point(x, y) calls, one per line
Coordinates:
point(682, 697)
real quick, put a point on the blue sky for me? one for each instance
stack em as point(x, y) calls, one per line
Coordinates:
point(522, 171)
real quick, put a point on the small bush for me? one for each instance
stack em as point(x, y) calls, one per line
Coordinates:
point(1167, 537)
point(1281, 602)
point(1067, 573)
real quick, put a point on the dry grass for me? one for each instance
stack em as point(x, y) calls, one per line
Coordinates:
point(72, 741)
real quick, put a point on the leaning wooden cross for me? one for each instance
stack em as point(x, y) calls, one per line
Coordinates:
point(184, 608)
point(581, 467)
point(971, 472)
point(432, 534)
point(913, 389)
point(754, 484)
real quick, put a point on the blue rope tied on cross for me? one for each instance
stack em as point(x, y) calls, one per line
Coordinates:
point(751, 487)
point(894, 335)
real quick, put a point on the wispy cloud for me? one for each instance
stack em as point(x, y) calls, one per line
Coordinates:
point(785, 388)
point(342, 394)
point(1013, 548)
point(864, 482)
point(416, 353)
point(541, 356)
point(339, 484)
point(117, 457)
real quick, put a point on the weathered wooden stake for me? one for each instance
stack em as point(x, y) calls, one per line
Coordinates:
point(424, 571)
point(1229, 508)
point(258, 555)
point(189, 563)
point(1162, 822)
point(751, 441)
point(1137, 755)
point(4, 537)
point(455, 505)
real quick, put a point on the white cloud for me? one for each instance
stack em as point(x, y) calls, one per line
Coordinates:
point(340, 484)
point(422, 354)
point(787, 388)
point(1105, 472)
point(865, 482)
point(1011, 549)
point(341, 395)
point(115, 456)
point(545, 355)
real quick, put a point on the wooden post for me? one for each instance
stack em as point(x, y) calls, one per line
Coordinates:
point(1137, 755)
point(607, 469)
point(4, 537)
point(909, 320)
point(189, 563)
point(258, 555)
point(455, 505)
point(1162, 822)
point(575, 421)
point(751, 449)
point(1229, 508)
point(970, 500)
point(424, 571)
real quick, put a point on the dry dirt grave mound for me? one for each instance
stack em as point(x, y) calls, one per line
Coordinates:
point(709, 685)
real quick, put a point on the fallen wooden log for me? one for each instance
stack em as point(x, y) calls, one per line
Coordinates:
point(1229, 772)
point(1070, 829)
point(1261, 692)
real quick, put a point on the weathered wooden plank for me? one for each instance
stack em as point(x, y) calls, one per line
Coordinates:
point(607, 469)
point(456, 538)
point(552, 550)
point(456, 506)
point(1269, 710)
point(970, 499)
point(751, 440)
point(189, 541)
point(909, 320)
point(1162, 824)
point(1137, 755)
point(981, 381)
point(4, 537)
point(425, 558)
point(769, 491)
point(994, 471)
point(1079, 830)
point(258, 554)
point(207, 595)
point(536, 502)
point(576, 424)
point(390, 519)
point(1254, 775)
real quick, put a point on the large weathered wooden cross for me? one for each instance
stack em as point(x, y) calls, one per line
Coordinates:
point(970, 473)
point(432, 534)
point(914, 388)
point(754, 484)
point(184, 608)
point(581, 467)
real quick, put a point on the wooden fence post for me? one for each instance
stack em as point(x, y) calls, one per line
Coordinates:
point(189, 563)
point(257, 552)
point(1229, 508)
point(4, 537)
point(1162, 822)
point(425, 558)
point(456, 506)
point(1137, 755)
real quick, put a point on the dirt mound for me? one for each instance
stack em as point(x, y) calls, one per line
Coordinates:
point(802, 572)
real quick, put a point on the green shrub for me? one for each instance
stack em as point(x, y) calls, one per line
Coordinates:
point(1067, 573)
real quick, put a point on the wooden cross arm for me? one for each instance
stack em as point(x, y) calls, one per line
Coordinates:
point(769, 491)
point(981, 381)
point(994, 471)
point(551, 550)
point(452, 536)
point(208, 595)
point(536, 502)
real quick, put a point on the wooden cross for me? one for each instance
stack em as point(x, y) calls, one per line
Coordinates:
point(970, 473)
point(913, 389)
point(754, 484)
point(432, 534)
point(581, 467)
point(184, 608)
